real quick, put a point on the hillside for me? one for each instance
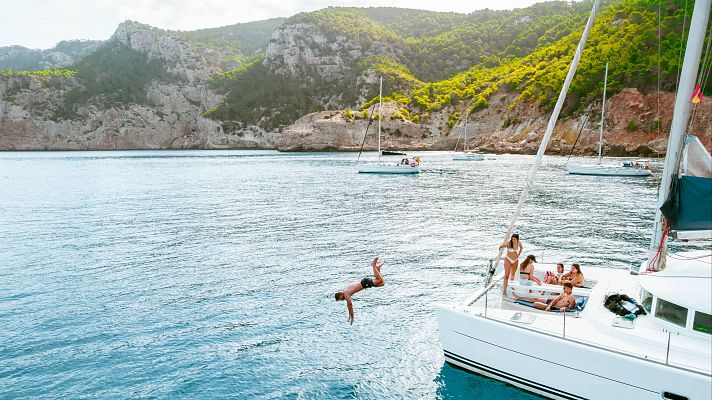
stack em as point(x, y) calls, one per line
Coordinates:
point(256, 84)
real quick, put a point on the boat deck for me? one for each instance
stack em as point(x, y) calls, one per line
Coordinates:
point(645, 337)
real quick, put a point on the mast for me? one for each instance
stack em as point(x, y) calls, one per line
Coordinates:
point(467, 114)
point(688, 76)
point(380, 116)
point(603, 113)
point(547, 136)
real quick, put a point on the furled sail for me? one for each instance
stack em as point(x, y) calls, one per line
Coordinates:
point(688, 208)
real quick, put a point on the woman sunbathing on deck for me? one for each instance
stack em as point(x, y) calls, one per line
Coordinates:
point(526, 272)
point(554, 278)
point(574, 277)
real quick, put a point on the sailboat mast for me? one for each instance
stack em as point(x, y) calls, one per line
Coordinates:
point(467, 114)
point(547, 136)
point(380, 116)
point(681, 115)
point(603, 114)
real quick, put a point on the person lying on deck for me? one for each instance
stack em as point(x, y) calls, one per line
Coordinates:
point(357, 286)
point(563, 302)
point(574, 277)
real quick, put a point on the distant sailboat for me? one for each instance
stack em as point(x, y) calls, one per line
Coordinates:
point(404, 167)
point(466, 155)
point(627, 168)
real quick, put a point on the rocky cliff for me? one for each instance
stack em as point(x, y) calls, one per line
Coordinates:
point(172, 118)
point(64, 54)
point(294, 80)
point(630, 129)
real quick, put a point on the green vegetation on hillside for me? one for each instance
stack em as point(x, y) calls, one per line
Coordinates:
point(625, 34)
point(232, 46)
point(113, 76)
point(44, 73)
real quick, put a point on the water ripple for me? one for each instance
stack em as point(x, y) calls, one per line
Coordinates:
point(206, 274)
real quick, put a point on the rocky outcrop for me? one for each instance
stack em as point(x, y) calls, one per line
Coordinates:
point(181, 59)
point(302, 50)
point(64, 54)
point(173, 120)
point(497, 129)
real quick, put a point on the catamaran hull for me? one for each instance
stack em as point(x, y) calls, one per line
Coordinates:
point(607, 171)
point(468, 157)
point(387, 169)
point(558, 368)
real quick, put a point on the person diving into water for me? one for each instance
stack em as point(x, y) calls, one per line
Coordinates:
point(357, 286)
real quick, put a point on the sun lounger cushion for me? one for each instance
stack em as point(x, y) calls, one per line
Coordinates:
point(580, 304)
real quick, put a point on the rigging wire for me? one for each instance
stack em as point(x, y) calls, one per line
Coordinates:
point(659, 123)
point(682, 42)
point(577, 139)
point(365, 135)
point(702, 77)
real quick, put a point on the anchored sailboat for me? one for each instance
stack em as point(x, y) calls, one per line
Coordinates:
point(592, 353)
point(404, 167)
point(466, 155)
point(625, 169)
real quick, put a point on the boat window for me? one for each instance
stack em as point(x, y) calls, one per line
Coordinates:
point(703, 323)
point(646, 300)
point(671, 312)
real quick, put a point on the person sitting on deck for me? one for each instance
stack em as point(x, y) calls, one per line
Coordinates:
point(357, 286)
point(526, 272)
point(574, 277)
point(563, 302)
point(553, 278)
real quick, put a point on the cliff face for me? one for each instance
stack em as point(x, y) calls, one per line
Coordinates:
point(64, 54)
point(631, 129)
point(172, 119)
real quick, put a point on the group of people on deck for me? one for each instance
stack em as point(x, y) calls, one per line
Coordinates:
point(568, 280)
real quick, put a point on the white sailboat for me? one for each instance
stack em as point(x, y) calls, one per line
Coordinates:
point(466, 155)
point(592, 353)
point(623, 169)
point(404, 167)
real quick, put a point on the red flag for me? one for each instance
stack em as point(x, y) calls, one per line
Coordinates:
point(696, 94)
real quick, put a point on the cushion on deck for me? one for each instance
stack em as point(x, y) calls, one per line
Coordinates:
point(580, 304)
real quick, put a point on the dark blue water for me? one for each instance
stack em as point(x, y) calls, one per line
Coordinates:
point(201, 274)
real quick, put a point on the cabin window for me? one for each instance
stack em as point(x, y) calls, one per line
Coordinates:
point(646, 300)
point(702, 323)
point(671, 312)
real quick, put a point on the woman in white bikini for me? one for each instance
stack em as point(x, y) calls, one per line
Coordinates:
point(511, 258)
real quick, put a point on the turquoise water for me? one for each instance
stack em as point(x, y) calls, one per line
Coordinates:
point(210, 274)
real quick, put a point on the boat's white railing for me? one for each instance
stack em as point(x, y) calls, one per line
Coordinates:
point(531, 178)
point(657, 345)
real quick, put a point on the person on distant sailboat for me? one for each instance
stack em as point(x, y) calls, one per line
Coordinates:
point(357, 286)
point(511, 259)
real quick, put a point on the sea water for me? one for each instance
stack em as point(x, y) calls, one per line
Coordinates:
point(211, 274)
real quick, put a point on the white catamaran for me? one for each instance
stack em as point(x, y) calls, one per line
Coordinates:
point(592, 353)
point(624, 169)
point(404, 167)
point(466, 155)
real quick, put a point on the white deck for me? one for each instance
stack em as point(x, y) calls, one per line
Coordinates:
point(647, 337)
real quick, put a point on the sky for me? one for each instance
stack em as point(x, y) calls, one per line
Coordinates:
point(41, 24)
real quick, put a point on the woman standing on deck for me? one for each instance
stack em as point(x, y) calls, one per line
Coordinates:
point(511, 258)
